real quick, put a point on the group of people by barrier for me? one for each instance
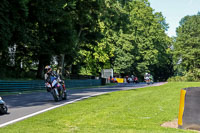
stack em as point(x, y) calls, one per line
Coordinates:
point(132, 79)
point(148, 78)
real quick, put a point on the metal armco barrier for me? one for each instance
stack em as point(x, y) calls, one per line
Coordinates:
point(19, 86)
point(189, 109)
point(82, 83)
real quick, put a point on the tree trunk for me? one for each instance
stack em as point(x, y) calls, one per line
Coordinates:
point(62, 64)
point(61, 61)
point(44, 60)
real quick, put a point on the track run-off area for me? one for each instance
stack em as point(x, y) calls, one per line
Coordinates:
point(23, 106)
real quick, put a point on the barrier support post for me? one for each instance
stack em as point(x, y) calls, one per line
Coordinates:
point(181, 108)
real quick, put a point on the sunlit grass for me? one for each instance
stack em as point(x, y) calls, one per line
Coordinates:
point(142, 111)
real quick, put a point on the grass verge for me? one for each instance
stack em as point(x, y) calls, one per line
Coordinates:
point(134, 111)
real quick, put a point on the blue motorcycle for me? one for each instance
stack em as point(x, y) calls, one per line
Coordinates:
point(3, 107)
point(56, 88)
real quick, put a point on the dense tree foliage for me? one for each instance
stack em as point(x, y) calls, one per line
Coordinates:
point(83, 36)
point(187, 48)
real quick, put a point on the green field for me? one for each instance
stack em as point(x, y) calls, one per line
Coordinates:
point(134, 111)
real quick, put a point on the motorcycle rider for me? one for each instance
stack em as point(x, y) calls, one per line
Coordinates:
point(47, 76)
point(147, 77)
point(48, 72)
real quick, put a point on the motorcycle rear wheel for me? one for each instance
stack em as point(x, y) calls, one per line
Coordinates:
point(64, 96)
point(55, 96)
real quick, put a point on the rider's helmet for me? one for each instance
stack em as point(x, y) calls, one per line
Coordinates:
point(48, 69)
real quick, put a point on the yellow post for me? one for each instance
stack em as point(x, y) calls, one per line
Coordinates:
point(181, 107)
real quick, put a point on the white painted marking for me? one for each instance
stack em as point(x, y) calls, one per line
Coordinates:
point(42, 111)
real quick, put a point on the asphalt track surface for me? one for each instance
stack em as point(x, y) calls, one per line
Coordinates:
point(23, 106)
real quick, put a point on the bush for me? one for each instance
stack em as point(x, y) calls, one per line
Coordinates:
point(177, 79)
point(187, 77)
point(190, 77)
point(12, 73)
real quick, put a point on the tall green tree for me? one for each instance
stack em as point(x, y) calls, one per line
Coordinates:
point(88, 31)
point(134, 40)
point(12, 28)
point(146, 41)
point(51, 30)
point(126, 35)
point(187, 46)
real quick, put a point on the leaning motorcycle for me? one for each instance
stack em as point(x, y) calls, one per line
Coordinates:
point(57, 89)
point(147, 80)
point(3, 107)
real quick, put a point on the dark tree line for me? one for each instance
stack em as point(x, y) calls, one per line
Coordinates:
point(83, 37)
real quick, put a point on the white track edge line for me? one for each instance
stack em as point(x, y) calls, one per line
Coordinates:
point(42, 111)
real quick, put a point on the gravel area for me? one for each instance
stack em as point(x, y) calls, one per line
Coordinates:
point(174, 124)
point(171, 124)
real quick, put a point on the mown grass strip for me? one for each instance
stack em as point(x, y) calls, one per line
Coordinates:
point(142, 111)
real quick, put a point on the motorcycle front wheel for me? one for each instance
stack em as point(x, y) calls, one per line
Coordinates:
point(3, 109)
point(55, 95)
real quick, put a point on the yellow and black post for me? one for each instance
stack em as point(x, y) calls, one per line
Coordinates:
point(189, 109)
point(181, 108)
